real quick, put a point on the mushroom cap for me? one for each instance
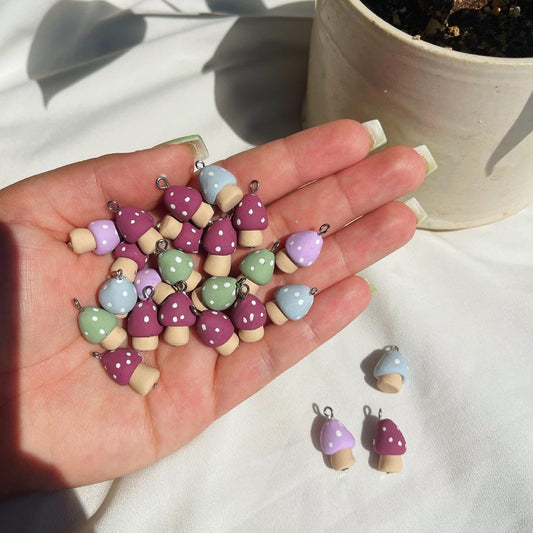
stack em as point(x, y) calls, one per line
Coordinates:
point(294, 300)
point(105, 234)
point(96, 324)
point(303, 247)
point(120, 364)
point(131, 251)
point(189, 238)
point(388, 439)
point(250, 214)
point(335, 437)
point(220, 238)
point(117, 295)
point(147, 277)
point(212, 180)
point(214, 328)
point(258, 266)
point(174, 266)
point(182, 202)
point(133, 223)
point(175, 311)
point(219, 292)
point(248, 313)
point(142, 321)
point(392, 362)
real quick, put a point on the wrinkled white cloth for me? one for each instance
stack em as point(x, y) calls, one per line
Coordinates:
point(459, 305)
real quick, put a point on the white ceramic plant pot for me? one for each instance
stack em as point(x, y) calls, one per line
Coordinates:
point(475, 113)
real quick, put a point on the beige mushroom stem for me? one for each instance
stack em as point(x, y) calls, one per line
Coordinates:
point(161, 291)
point(145, 344)
point(176, 335)
point(116, 338)
point(342, 460)
point(229, 346)
point(217, 265)
point(390, 463)
point(144, 379)
point(391, 383)
point(229, 197)
point(203, 215)
point(285, 263)
point(250, 238)
point(148, 242)
point(170, 227)
point(253, 288)
point(252, 335)
point(275, 314)
point(82, 240)
point(128, 267)
point(196, 297)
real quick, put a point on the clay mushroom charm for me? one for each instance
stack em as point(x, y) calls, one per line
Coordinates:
point(183, 204)
point(188, 239)
point(219, 186)
point(220, 241)
point(144, 327)
point(249, 316)
point(147, 277)
point(118, 295)
point(216, 331)
point(291, 302)
point(136, 226)
point(258, 267)
point(390, 445)
point(217, 293)
point(337, 442)
point(125, 367)
point(174, 266)
point(129, 259)
point(250, 218)
point(100, 237)
point(176, 315)
point(301, 249)
point(391, 371)
point(99, 326)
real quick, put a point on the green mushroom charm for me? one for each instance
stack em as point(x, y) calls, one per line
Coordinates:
point(99, 326)
point(258, 267)
point(217, 293)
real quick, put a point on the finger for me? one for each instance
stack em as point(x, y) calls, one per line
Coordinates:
point(352, 249)
point(254, 365)
point(354, 191)
point(284, 165)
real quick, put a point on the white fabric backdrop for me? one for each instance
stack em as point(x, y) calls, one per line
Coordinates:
point(459, 305)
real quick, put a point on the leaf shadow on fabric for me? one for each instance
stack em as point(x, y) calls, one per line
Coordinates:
point(260, 70)
point(75, 39)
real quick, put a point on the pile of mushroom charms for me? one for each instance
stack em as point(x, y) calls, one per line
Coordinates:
point(153, 270)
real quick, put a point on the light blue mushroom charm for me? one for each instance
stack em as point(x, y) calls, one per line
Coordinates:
point(391, 371)
point(291, 302)
point(219, 186)
point(118, 295)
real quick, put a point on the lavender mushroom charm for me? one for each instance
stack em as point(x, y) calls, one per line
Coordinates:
point(391, 371)
point(301, 250)
point(100, 237)
point(291, 302)
point(219, 186)
point(389, 443)
point(125, 367)
point(337, 442)
point(250, 218)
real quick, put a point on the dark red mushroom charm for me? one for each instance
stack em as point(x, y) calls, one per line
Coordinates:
point(389, 443)
point(216, 331)
point(129, 259)
point(176, 315)
point(144, 327)
point(249, 316)
point(220, 242)
point(250, 218)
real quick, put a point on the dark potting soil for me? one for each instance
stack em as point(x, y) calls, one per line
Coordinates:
point(498, 28)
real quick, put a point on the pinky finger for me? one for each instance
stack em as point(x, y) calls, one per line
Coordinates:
point(254, 365)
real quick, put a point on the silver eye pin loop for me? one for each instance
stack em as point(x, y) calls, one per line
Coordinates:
point(275, 246)
point(117, 274)
point(96, 355)
point(242, 288)
point(162, 182)
point(328, 412)
point(113, 206)
point(324, 229)
point(254, 186)
point(198, 165)
point(313, 291)
point(391, 348)
point(379, 413)
point(161, 246)
point(77, 304)
point(180, 286)
point(148, 292)
point(195, 311)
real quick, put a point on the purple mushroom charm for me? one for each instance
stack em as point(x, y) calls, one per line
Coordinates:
point(125, 367)
point(216, 331)
point(220, 242)
point(188, 239)
point(136, 226)
point(337, 442)
point(250, 218)
point(184, 204)
point(249, 316)
point(144, 327)
point(176, 315)
point(147, 277)
point(301, 249)
point(129, 259)
point(100, 237)
point(389, 443)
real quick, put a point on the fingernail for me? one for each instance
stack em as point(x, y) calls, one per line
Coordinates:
point(429, 160)
point(414, 205)
point(194, 142)
point(375, 132)
point(372, 287)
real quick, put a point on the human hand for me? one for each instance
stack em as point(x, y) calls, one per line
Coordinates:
point(65, 422)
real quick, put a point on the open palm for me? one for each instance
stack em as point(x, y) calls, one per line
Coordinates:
point(65, 422)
